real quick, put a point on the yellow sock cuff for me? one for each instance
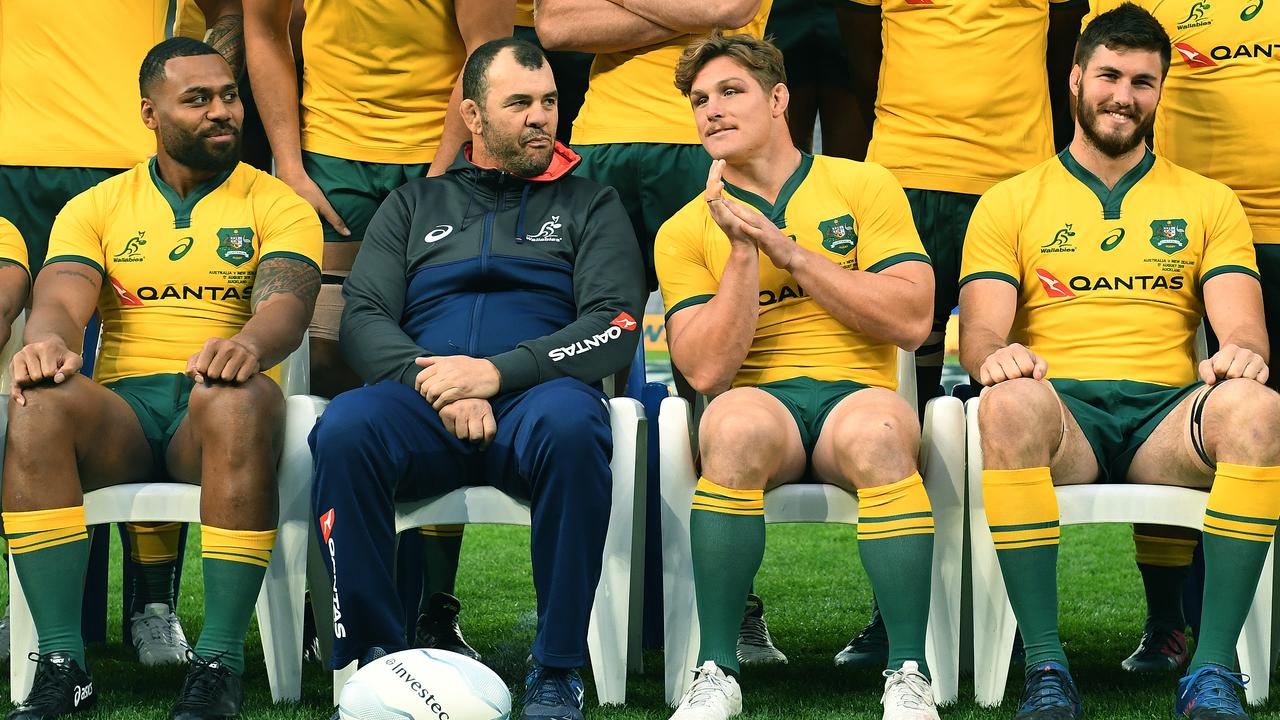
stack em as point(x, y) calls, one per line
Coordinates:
point(246, 546)
point(894, 510)
point(1163, 551)
point(153, 543)
point(717, 498)
point(41, 529)
point(446, 531)
point(1021, 507)
point(1244, 502)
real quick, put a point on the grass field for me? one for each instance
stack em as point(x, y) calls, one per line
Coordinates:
point(816, 595)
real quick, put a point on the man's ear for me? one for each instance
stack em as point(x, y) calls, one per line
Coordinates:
point(780, 98)
point(470, 110)
point(149, 114)
point(1074, 80)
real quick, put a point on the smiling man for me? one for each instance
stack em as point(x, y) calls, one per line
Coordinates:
point(204, 272)
point(1084, 280)
point(484, 309)
point(790, 284)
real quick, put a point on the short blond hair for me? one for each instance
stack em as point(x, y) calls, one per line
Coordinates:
point(759, 57)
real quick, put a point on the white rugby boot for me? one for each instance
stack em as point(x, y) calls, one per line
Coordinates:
point(158, 636)
point(713, 696)
point(908, 694)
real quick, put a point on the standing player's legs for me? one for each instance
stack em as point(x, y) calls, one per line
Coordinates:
point(941, 218)
point(1030, 443)
point(871, 440)
point(62, 434)
point(1235, 448)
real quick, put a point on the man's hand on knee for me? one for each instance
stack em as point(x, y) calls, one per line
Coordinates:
point(448, 378)
point(471, 420)
point(223, 360)
point(1233, 361)
point(1010, 362)
point(41, 361)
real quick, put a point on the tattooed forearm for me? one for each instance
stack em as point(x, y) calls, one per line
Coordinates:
point(226, 36)
point(282, 276)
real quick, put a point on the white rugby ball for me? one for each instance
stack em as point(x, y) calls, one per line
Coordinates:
point(425, 685)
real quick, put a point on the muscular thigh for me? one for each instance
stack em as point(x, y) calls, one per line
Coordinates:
point(746, 431)
point(1168, 456)
point(871, 437)
point(111, 448)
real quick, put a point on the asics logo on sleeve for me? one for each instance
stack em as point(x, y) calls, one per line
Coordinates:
point(439, 232)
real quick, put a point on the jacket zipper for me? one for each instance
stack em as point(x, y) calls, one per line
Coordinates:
point(484, 268)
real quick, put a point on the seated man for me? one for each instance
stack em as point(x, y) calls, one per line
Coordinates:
point(788, 288)
point(204, 271)
point(1085, 279)
point(483, 310)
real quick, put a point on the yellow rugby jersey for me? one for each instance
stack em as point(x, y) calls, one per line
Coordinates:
point(854, 214)
point(632, 97)
point(1218, 113)
point(963, 101)
point(1109, 282)
point(177, 272)
point(524, 13)
point(377, 76)
point(12, 249)
point(69, 80)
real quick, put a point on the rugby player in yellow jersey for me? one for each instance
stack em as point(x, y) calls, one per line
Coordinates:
point(60, 138)
point(1084, 281)
point(205, 273)
point(1216, 118)
point(789, 285)
point(952, 120)
point(15, 280)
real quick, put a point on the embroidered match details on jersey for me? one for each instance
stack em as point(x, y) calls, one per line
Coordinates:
point(69, 80)
point(951, 114)
point(177, 272)
point(1221, 100)
point(1109, 282)
point(12, 248)
point(631, 97)
point(373, 88)
point(854, 214)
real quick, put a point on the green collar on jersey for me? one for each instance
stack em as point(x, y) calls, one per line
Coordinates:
point(776, 212)
point(182, 207)
point(1110, 199)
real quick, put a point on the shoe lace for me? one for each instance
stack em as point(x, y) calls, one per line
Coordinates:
point(52, 682)
point(1214, 688)
point(547, 686)
point(1161, 639)
point(157, 628)
point(204, 682)
point(706, 689)
point(754, 631)
point(908, 689)
point(1047, 688)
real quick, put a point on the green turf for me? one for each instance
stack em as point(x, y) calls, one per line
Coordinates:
point(816, 594)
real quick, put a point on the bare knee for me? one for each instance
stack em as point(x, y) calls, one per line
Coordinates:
point(1241, 417)
point(876, 445)
point(1020, 412)
point(247, 414)
point(741, 442)
point(48, 407)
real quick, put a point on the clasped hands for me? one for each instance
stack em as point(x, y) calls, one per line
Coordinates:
point(745, 226)
point(459, 388)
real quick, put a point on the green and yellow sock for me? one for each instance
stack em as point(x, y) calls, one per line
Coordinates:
point(235, 562)
point(441, 545)
point(1239, 525)
point(49, 550)
point(895, 540)
point(726, 530)
point(1163, 562)
point(153, 547)
point(1022, 510)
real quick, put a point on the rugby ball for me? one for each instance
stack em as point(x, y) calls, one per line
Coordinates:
point(424, 684)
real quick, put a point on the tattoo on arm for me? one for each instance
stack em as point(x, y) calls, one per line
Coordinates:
point(227, 37)
point(282, 276)
point(80, 274)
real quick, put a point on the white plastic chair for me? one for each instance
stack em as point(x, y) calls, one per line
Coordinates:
point(993, 619)
point(280, 603)
point(941, 466)
point(613, 636)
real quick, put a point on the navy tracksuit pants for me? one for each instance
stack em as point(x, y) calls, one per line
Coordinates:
point(381, 444)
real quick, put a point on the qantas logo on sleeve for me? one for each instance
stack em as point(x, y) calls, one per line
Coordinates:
point(1194, 57)
point(624, 321)
point(1052, 285)
point(126, 297)
point(326, 524)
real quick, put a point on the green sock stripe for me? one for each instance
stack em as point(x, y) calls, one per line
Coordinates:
point(53, 542)
point(1024, 526)
point(1241, 518)
point(229, 556)
point(1262, 537)
point(891, 518)
point(726, 498)
point(889, 534)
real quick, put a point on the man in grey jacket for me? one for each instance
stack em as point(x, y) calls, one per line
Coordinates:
point(483, 310)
